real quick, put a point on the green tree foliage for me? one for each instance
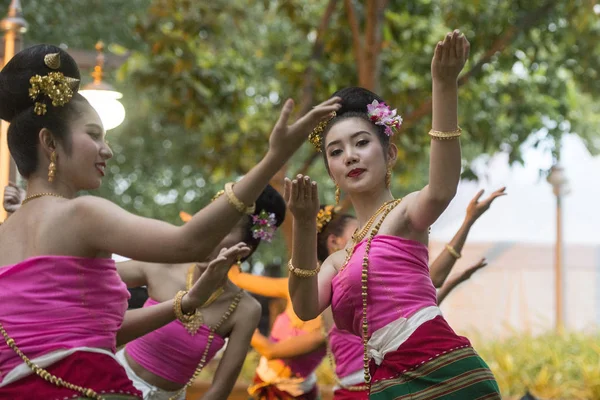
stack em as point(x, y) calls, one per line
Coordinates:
point(205, 80)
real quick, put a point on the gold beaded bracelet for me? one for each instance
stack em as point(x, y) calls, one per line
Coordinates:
point(183, 317)
point(237, 203)
point(453, 251)
point(441, 135)
point(303, 273)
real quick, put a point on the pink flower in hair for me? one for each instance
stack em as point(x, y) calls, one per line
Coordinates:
point(382, 114)
point(264, 226)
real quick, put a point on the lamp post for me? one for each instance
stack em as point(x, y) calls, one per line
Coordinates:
point(102, 96)
point(560, 187)
point(13, 25)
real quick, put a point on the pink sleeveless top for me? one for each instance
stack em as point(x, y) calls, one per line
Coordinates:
point(347, 350)
point(171, 352)
point(53, 303)
point(301, 366)
point(398, 284)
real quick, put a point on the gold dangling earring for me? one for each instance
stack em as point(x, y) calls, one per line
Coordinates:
point(338, 194)
point(52, 167)
point(388, 177)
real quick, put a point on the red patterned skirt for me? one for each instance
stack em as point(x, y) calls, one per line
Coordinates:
point(433, 363)
point(96, 371)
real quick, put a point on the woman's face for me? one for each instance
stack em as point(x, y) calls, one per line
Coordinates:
point(356, 159)
point(84, 166)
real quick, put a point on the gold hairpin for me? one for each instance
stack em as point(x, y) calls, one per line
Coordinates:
point(316, 136)
point(52, 60)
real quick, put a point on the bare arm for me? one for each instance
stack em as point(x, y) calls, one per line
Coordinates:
point(259, 285)
point(288, 348)
point(456, 280)
point(310, 295)
point(102, 226)
point(144, 320)
point(247, 319)
point(132, 273)
point(441, 267)
point(445, 158)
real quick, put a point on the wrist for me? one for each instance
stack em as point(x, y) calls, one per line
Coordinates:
point(306, 223)
point(188, 305)
point(468, 222)
point(274, 159)
point(445, 85)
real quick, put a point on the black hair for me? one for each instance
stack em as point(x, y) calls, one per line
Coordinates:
point(354, 105)
point(270, 201)
point(335, 227)
point(17, 107)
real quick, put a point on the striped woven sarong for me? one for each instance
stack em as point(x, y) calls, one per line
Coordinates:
point(459, 374)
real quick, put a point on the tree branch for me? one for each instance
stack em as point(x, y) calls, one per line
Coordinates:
point(308, 91)
point(356, 36)
point(501, 44)
point(308, 95)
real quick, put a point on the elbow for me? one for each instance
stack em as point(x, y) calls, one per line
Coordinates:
point(306, 315)
point(437, 282)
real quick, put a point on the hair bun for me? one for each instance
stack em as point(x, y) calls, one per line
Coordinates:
point(355, 99)
point(14, 77)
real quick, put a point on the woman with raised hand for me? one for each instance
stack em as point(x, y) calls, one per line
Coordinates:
point(165, 362)
point(62, 299)
point(294, 350)
point(379, 288)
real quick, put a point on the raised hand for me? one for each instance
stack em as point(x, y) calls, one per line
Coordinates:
point(449, 57)
point(13, 197)
point(286, 139)
point(302, 198)
point(467, 273)
point(214, 276)
point(476, 208)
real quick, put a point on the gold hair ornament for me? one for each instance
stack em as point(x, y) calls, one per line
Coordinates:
point(324, 217)
point(52, 60)
point(55, 86)
point(316, 136)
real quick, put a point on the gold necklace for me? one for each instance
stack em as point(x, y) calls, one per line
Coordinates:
point(356, 238)
point(37, 196)
point(211, 336)
point(364, 279)
point(197, 319)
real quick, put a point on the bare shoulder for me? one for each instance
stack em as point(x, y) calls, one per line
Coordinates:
point(248, 308)
point(335, 260)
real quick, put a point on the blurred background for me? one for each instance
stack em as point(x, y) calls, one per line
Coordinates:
point(191, 90)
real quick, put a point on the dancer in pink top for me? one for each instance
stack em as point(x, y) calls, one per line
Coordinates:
point(346, 350)
point(380, 288)
point(163, 363)
point(58, 144)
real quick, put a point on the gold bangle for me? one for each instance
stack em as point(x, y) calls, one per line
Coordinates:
point(303, 273)
point(237, 203)
point(445, 135)
point(178, 310)
point(453, 252)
